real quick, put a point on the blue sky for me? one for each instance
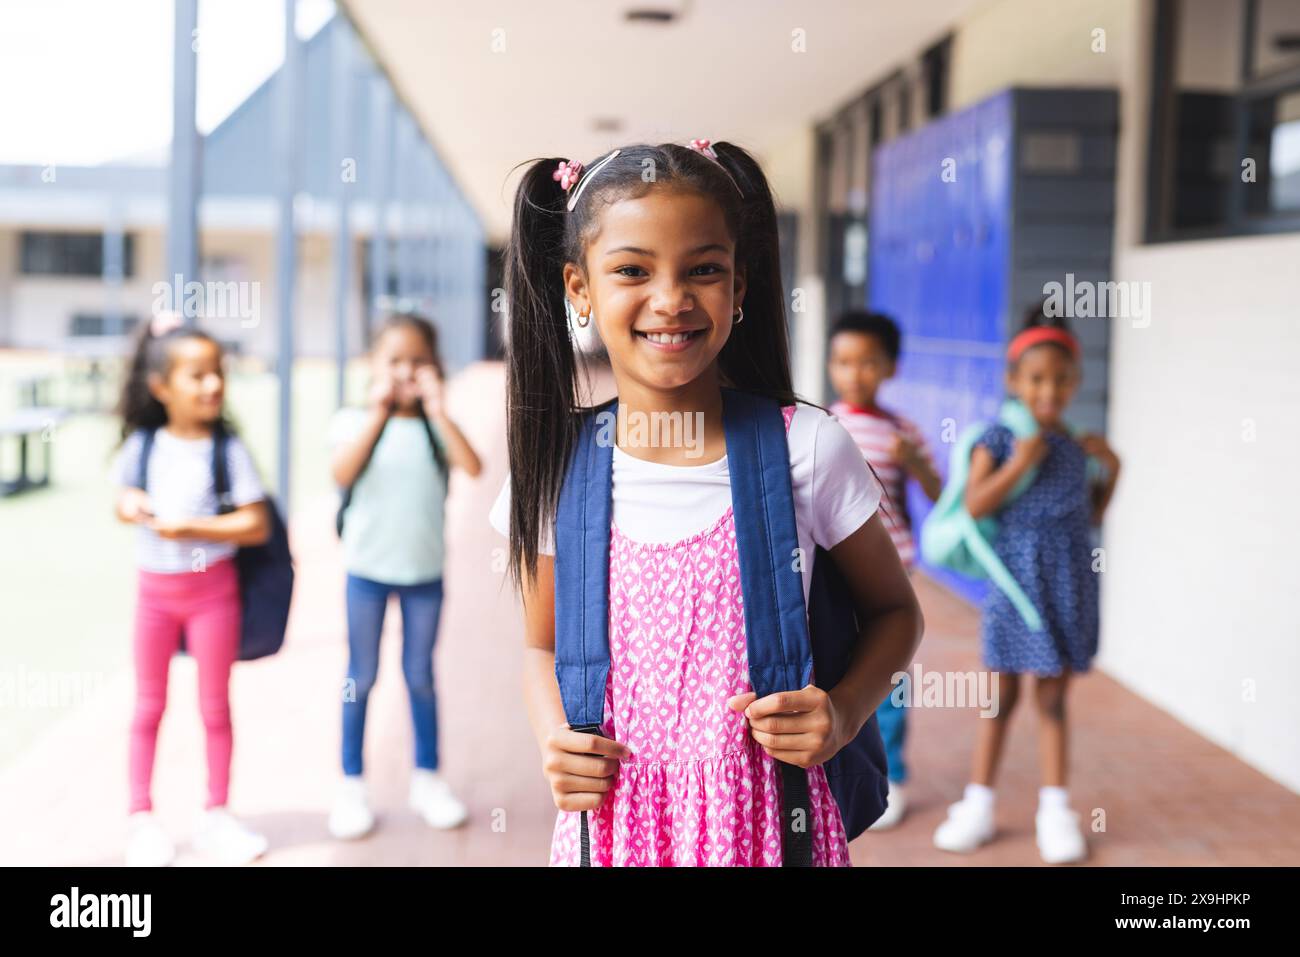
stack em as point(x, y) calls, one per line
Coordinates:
point(88, 81)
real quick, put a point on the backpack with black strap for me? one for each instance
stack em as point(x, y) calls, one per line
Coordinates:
point(783, 638)
point(345, 495)
point(265, 571)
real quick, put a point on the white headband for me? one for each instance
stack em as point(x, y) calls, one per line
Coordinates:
point(573, 200)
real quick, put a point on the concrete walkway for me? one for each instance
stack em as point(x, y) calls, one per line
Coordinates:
point(1168, 796)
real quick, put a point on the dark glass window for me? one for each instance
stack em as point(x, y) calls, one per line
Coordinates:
point(70, 254)
point(86, 324)
point(1225, 109)
point(934, 67)
point(368, 251)
point(1274, 139)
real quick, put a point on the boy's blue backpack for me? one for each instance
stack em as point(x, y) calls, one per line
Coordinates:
point(265, 571)
point(952, 539)
point(783, 639)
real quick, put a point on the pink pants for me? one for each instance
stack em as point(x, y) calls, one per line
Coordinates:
point(206, 605)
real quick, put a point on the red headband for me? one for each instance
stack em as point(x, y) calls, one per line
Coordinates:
point(1040, 334)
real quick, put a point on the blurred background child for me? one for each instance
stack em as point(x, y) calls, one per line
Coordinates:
point(863, 354)
point(392, 459)
point(187, 581)
point(1045, 540)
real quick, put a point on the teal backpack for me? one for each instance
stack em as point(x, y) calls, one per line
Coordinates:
point(952, 539)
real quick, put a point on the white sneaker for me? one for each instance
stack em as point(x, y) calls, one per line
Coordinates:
point(351, 817)
point(431, 797)
point(894, 809)
point(147, 844)
point(1060, 841)
point(968, 825)
point(221, 837)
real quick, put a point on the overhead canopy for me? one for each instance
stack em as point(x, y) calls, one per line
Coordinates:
point(494, 84)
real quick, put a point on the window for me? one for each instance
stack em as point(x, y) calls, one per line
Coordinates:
point(70, 254)
point(1225, 110)
point(934, 71)
point(391, 286)
point(93, 324)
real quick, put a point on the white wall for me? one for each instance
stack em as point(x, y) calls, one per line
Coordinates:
point(1032, 43)
point(1201, 609)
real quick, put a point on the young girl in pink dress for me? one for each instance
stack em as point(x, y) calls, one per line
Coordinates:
point(679, 272)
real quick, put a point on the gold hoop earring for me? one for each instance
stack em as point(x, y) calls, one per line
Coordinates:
point(584, 317)
point(739, 317)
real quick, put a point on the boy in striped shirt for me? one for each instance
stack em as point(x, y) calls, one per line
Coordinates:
point(864, 349)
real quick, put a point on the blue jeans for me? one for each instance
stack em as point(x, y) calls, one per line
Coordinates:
point(892, 719)
point(421, 605)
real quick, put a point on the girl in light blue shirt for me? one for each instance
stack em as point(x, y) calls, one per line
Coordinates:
point(392, 460)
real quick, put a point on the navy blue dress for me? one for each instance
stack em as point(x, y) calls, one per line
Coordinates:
point(1045, 540)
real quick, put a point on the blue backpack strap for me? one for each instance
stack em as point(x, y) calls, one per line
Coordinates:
point(221, 470)
point(776, 620)
point(142, 466)
point(582, 575)
point(582, 524)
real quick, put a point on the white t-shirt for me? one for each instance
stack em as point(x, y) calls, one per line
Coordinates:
point(834, 492)
point(181, 486)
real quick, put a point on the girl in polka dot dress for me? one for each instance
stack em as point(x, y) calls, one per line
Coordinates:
point(678, 274)
point(1044, 540)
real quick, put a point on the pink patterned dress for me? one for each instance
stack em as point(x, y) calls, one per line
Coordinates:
point(698, 790)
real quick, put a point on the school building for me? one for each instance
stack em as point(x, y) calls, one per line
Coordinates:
point(83, 249)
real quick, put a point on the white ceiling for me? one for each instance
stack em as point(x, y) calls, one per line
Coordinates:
point(497, 83)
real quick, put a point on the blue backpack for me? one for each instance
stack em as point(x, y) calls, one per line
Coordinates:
point(265, 571)
point(783, 638)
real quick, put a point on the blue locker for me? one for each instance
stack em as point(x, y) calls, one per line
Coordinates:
point(945, 262)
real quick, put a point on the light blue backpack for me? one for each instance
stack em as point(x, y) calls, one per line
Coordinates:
point(952, 539)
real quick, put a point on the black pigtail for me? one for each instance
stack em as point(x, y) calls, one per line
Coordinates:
point(757, 356)
point(541, 367)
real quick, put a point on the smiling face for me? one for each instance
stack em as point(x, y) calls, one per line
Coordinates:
point(194, 385)
point(661, 281)
point(1045, 379)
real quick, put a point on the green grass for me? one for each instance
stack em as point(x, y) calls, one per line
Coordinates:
point(68, 566)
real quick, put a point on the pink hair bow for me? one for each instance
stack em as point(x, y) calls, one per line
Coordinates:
point(567, 173)
point(703, 146)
